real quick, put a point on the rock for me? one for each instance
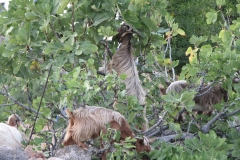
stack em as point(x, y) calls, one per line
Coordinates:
point(8, 153)
point(73, 152)
point(33, 155)
point(54, 158)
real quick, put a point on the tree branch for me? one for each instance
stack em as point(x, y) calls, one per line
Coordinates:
point(17, 102)
point(205, 128)
point(73, 27)
point(40, 105)
point(175, 137)
point(155, 125)
point(54, 31)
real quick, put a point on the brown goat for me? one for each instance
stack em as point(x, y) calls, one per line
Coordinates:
point(206, 98)
point(123, 63)
point(87, 122)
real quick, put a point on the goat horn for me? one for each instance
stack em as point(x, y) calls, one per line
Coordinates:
point(130, 29)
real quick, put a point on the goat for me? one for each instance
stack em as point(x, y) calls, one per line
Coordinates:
point(10, 136)
point(123, 63)
point(207, 96)
point(87, 122)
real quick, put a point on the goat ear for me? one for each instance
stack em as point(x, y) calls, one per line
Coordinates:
point(12, 121)
point(69, 113)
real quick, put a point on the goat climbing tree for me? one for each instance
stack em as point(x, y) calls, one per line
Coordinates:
point(53, 49)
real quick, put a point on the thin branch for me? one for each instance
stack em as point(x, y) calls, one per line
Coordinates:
point(175, 137)
point(40, 104)
point(201, 84)
point(100, 63)
point(166, 74)
point(205, 129)
point(189, 125)
point(105, 55)
point(158, 130)
point(161, 70)
point(5, 105)
point(17, 102)
point(231, 114)
point(155, 125)
point(54, 31)
point(208, 90)
point(73, 27)
point(225, 21)
point(170, 56)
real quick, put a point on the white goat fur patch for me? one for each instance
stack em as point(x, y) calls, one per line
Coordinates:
point(10, 136)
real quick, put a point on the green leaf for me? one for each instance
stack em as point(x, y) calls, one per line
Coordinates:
point(76, 72)
point(39, 124)
point(198, 40)
point(16, 69)
point(87, 47)
point(62, 5)
point(24, 34)
point(131, 18)
point(169, 98)
point(106, 31)
point(123, 76)
point(221, 2)
point(238, 8)
point(149, 23)
point(90, 61)
point(68, 45)
point(100, 18)
point(139, 1)
point(175, 126)
point(192, 55)
point(211, 17)
point(181, 32)
point(52, 48)
point(31, 15)
point(225, 35)
point(169, 20)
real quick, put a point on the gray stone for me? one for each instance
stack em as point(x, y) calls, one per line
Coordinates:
point(74, 152)
point(8, 153)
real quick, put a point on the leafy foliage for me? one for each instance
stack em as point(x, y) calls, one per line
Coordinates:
point(69, 40)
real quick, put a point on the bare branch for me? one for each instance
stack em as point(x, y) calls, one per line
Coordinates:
point(17, 102)
point(5, 105)
point(73, 27)
point(225, 21)
point(189, 125)
point(231, 114)
point(54, 31)
point(170, 56)
point(175, 137)
point(155, 125)
point(40, 104)
point(205, 128)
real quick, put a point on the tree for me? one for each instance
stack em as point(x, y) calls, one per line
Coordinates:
point(52, 51)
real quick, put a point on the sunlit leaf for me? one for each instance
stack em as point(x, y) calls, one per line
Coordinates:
point(192, 55)
point(211, 17)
